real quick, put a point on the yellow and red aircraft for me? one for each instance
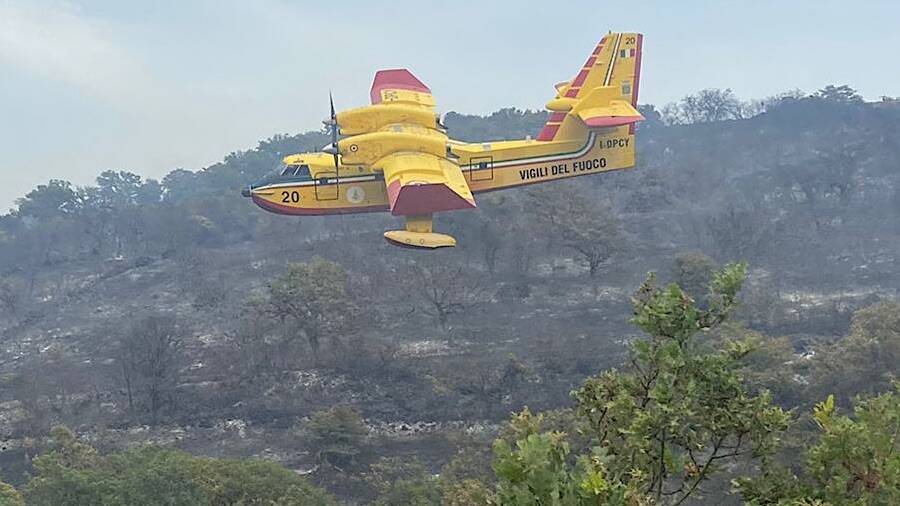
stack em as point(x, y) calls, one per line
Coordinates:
point(394, 155)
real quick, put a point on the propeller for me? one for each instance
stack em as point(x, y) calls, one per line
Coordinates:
point(334, 131)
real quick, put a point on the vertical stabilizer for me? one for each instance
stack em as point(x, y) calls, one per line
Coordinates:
point(614, 67)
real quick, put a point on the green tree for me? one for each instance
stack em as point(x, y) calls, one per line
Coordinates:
point(579, 223)
point(180, 184)
point(663, 425)
point(840, 94)
point(677, 413)
point(74, 474)
point(338, 434)
point(150, 192)
point(866, 360)
point(469, 492)
point(250, 482)
point(118, 189)
point(12, 298)
point(536, 471)
point(314, 296)
point(769, 366)
point(856, 460)
point(403, 482)
point(693, 271)
point(9, 496)
point(464, 481)
point(705, 106)
point(56, 198)
point(67, 473)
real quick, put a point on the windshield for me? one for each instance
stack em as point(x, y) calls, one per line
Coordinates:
point(300, 170)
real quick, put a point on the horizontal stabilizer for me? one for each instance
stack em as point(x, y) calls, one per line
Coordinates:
point(611, 116)
point(603, 108)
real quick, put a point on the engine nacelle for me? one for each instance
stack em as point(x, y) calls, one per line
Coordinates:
point(374, 117)
point(366, 149)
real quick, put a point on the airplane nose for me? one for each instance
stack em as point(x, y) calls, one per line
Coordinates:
point(246, 192)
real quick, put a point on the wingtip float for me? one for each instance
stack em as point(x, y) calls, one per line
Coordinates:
point(394, 155)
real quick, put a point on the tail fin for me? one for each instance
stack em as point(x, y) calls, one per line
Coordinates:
point(603, 94)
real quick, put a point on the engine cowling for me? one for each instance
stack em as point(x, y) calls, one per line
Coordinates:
point(368, 148)
point(375, 117)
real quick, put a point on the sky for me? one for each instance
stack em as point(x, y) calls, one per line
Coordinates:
point(148, 87)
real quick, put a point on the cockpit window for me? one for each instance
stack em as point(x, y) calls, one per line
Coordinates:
point(295, 170)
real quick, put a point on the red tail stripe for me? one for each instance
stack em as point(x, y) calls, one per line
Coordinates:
point(556, 117)
point(579, 79)
point(548, 133)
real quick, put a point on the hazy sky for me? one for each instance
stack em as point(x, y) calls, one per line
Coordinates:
point(92, 85)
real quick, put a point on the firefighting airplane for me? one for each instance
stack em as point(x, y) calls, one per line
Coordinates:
point(394, 155)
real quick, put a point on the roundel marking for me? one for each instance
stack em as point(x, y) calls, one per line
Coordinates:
point(355, 194)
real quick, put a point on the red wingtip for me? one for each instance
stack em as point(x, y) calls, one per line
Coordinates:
point(424, 199)
point(398, 79)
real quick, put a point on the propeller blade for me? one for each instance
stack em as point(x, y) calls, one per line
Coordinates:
point(331, 102)
point(334, 130)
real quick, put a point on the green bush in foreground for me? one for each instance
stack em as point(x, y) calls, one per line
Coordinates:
point(657, 429)
point(9, 496)
point(681, 413)
point(856, 460)
point(74, 474)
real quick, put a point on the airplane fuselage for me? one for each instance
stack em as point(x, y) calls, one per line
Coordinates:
point(487, 166)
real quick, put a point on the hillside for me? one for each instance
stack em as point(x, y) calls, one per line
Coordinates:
point(433, 350)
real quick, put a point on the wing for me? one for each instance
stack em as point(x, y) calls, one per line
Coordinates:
point(399, 86)
point(422, 183)
point(399, 135)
